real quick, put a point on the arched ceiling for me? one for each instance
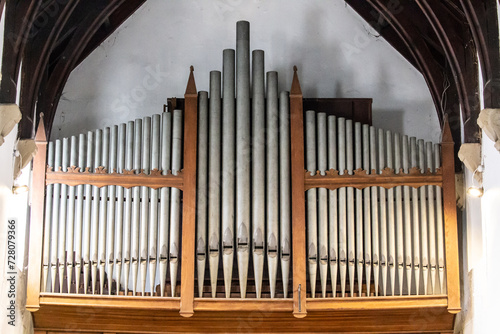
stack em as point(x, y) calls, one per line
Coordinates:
point(445, 40)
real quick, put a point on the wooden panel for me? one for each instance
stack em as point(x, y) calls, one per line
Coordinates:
point(298, 199)
point(36, 221)
point(450, 220)
point(118, 302)
point(130, 320)
point(189, 197)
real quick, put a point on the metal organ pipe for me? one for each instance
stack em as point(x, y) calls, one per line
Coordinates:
point(202, 190)
point(70, 222)
point(258, 168)
point(322, 202)
point(359, 150)
point(214, 177)
point(127, 231)
point(423, 218)
point(166, 160)
point(312, 230)
point(383, 214)
point(432, 220)
point(399, 215)
point(242, 150)
point(332, 204)
point(367, 211)
point(103, 214)
point(118, 249)
point(48, 221)
point(407, 217)
point(342, 227)
point(143, 229)
point(416, 219)
point(55, 215)
point(228, 166)
point(285, 208)
point(153, 207)
point(112, 213)
point(136, 207)
point(391, 221)
point(272, 178)
point(351, 234)
point(79, 213)
point(175, 209)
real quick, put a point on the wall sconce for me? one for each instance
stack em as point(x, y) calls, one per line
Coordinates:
point(16, 189)
point(476, 190)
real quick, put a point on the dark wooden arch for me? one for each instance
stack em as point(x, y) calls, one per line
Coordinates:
point(444, 40)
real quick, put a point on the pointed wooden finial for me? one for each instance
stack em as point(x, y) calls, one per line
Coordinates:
point(191, 85)
point(446, 136)
point(41, 135)
point(295, 90)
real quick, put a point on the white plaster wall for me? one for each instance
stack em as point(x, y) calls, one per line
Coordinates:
point(337, 54)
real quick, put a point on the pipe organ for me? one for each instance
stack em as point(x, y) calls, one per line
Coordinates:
point(244, 202)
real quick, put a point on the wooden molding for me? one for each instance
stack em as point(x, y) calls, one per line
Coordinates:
point(362, 179)
point(127, 179)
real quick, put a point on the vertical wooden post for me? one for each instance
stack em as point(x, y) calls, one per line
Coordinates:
point(37, 220)
point(298, 198)
point(450, 219)
point(189, 197)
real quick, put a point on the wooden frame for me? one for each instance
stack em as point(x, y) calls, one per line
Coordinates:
point(405, 314)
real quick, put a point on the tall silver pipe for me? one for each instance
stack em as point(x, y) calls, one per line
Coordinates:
point(110, 233)
point(214, 177)
point(312, 219)
point(342, 227)
point(399, 215)
point(359, 151)
point(94, 231)
point(431, 219)
point(88, 213)
point(153, 209)
point(166, 159)
point(375, 216)
point(416, 219)
point(55, 216)
point(136, 205)
point(202, 189)
point(258, 168)
point(391, 217)
point(120, 216)
point(70, 224)
point(407, 217)
point(103, 213)
point(146, 168)
point(228, 166)
point(82, 148)
point(47, 236)
point(127, 223)
point(61, 248)
point(272, 180)
point(321, 126)
point(242, 150)
point(439, 224)
point(367, 211)
point(423, 218)
point(383, 213)
point(351, 234)
point(285, 207)
point(332, 204)
point(175, 208)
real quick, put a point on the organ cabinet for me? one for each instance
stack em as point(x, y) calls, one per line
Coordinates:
point(244, 209)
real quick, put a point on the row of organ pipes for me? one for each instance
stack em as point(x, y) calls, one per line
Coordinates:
point(394, 236)
point(362, 242)
point(113, 230)
point(243, 205)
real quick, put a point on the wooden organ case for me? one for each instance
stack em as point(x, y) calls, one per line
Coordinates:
point(244, 210)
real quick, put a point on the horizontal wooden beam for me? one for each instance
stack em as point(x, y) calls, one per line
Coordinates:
point(127, 179)
point(362, 179)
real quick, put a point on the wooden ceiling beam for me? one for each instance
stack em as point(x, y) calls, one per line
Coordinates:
point(119, 16)
point(483, 22)
point(461, 57)
point(410, 41)
point(52, 18)
point(19, 20)
point(96, 12)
